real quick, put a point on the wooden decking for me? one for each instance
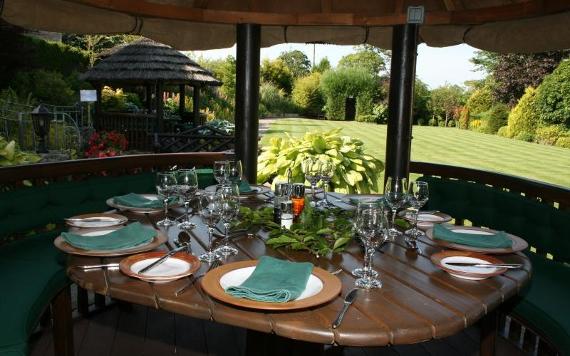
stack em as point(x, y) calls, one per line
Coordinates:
point(131, 330)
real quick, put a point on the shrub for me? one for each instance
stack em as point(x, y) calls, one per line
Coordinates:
point(11, 155)
point(274, 99)
point(307, 94)
point(106, 144)
point(114, 100)
point(475, 124)
point(440, 122)
point(45, 86)
point(277, 73)
point(451, 123)
point(503, 131)
point(339, 84)
point(552, 99)
point(492, 120)
point(548, 135)
point(421, 122)
point(432, 122)
point(563, 142)
point(523, 117)
point(480, 101)
point(355, 171)
point(524, 136)
point(463, 120)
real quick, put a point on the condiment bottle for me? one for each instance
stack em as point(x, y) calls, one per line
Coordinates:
point(298, 198)
point(286, 214)
point(282, 193)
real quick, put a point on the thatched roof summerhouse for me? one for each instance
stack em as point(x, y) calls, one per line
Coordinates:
point(153, 65)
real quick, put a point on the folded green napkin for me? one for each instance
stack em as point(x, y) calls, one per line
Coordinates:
point(138, 201)
point(497, 240)
point(274, 281)
point(244, 186)
point(205, 177)
point(129, 236)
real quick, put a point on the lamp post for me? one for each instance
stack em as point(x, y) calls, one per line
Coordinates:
point(41, 117)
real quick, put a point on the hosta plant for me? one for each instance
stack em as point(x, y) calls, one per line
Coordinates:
point(354, 172)
point(11, 155)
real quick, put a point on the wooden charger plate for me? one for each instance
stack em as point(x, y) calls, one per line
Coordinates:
point(116, 220)
point(111, 202)
point(61, 244)
point(126, 266)
point(211, 285)
point(518, 243)
point(472, 273)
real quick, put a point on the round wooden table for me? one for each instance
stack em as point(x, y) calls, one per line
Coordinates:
point(417, 302)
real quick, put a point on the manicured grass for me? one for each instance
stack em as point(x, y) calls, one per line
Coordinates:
point(451, 146)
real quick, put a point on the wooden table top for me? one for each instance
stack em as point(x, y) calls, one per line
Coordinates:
point(417, 302)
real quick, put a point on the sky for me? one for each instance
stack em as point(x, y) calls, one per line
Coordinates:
point(435, 66)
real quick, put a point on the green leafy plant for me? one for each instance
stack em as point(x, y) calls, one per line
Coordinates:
point(523, 117)
point(307, 94)
point(355, 171)
point(550, 134)
point(11, 155)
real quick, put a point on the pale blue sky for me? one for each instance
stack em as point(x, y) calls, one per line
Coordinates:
point(435, 66)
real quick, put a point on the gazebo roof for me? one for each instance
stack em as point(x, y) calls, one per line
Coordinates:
point(147, 61)
point(496, 25)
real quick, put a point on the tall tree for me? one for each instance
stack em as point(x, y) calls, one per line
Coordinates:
point(95, 45)
point(297, 62)
point(513, 73)
point(224, 70)
point(446, 100)
point(322, 66)
point(276, 72)
point(367, 57)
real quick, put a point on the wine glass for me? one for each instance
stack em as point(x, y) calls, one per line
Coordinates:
point(326, 173)
point(396, 197)
point(370, 226)
point(418, 194)
point(165, 187)
point(234, 171)
point(230, 211)
point(186, 187)
point(310, 168)
point(211, 213)
point(220, 172)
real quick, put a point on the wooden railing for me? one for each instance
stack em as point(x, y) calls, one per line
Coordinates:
point(546, 193)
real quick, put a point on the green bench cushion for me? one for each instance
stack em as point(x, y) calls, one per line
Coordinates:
point(545, 304)
point(33, 272)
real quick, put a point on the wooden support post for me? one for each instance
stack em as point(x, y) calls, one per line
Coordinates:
point(196, 105)
point(148, 98)
point(82, 301)
point(62, 323)
point(247, 97)
point(401, 100)
point(159, 123)
point(98, 103)
point(488, 338)
point(182, 100)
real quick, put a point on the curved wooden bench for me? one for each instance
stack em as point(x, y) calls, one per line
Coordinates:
point(34, 200)
point(538, 212)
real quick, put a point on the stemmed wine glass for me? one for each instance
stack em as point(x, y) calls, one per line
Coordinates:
point(165, 187)
point(370, 226)
point(418, 195)
point(211, 213)
point(311, 168)
point(229, 195)
point(220, 172)
point(234, 171)
point(396, 197)
point(186, 187)
point(326, 174)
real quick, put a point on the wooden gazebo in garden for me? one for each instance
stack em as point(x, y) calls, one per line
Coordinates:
point(152, 65)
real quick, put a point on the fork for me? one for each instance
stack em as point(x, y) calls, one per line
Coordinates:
point(193, 278)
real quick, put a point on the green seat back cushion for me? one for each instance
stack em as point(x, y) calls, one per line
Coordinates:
point(32, 274)
point(545, 304)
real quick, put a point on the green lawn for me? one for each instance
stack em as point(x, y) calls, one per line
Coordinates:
point(451, 146)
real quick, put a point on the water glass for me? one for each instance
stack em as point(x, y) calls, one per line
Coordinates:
point(311, 168)
point(166, 188)
point(326, 173)
point(211, 213)
point(235, 171)
point(395, 195)
point(230, 211)
point(369, 225)
point(418, 194)
point(221, 172)
point(186, 188)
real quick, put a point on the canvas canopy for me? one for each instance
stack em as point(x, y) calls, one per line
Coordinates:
point(497, 25)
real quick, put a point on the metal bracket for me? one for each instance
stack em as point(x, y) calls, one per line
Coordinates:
point(416, 14)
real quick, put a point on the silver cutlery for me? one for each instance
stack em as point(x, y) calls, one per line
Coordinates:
point(484, 265)
point(348, 300)
point(104, 265)
point(193, 278)
point(161, 260)
point(102, 219)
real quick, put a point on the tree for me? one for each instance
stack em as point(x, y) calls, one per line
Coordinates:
point(337, 85)
point(513, 73)
point(553, 97)
point(95, 45)
point(277, 73)
point(522, 120)
point(307, 94)
point(367, 57)
point(297, 62)
point(322, 66)
point(224, 70)
point(421, 109)
point(446, 101)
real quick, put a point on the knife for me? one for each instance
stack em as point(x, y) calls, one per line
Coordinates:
point(162, 259)
point(101, 219)
point(484, 265)
point(105, 265)
point(350, 297)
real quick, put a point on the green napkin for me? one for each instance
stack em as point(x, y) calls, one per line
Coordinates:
point(138, 201)
point(129, 236)
point(274, 281)
point(244, 186)
point(498, 240)
point(205, 177)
